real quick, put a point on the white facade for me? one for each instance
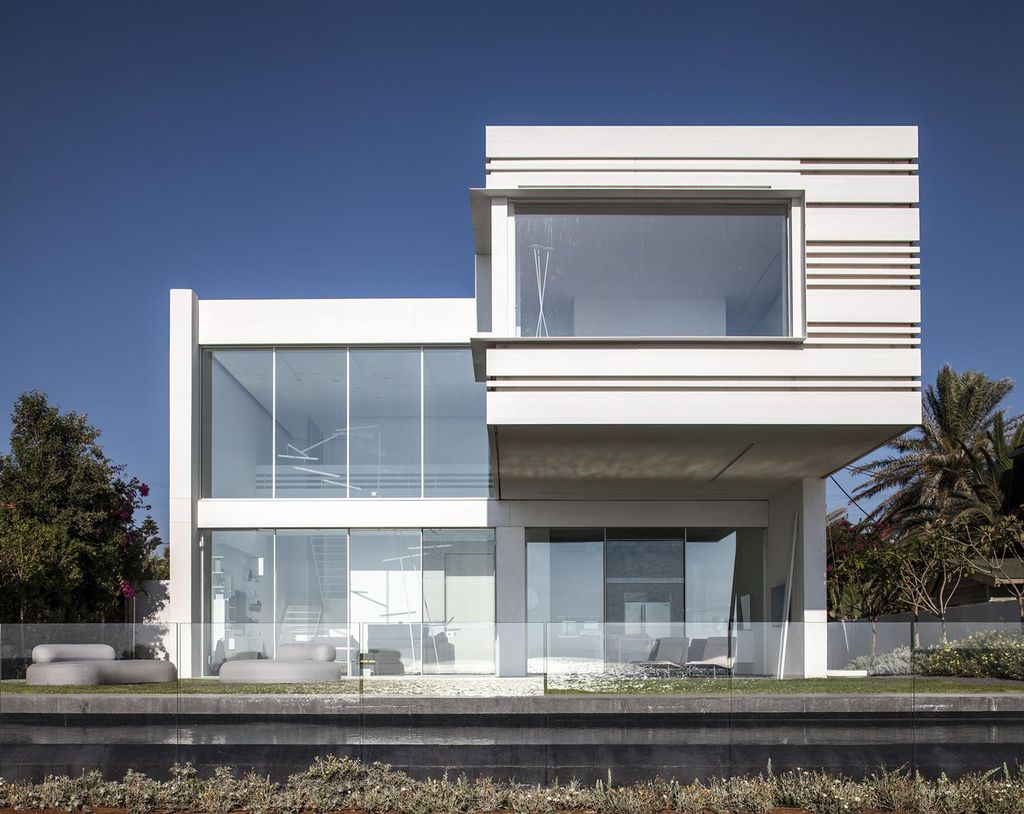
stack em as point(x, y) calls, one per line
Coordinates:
point(677, 418)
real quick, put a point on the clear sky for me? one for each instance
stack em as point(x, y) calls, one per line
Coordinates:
point(249, 149)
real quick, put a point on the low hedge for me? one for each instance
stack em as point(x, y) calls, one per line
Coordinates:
point(334, 784)
point(989, 654)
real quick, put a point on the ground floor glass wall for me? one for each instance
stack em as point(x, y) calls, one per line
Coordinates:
point(611, 594)
point(426, 595)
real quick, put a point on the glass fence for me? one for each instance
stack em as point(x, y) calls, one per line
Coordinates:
point(483, 658)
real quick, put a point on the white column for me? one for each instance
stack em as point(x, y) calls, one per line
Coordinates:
point(510, 585)
point(183, 481)
point(812, 574)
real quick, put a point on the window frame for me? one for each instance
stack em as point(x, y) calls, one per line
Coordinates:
point(793, 204)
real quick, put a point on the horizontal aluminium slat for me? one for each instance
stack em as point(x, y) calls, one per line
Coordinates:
point(698, 362)
point(827, 142)
point(618, 383)
point(860, 306)
point(867, 189)
point(501, 165)
point(862, 223)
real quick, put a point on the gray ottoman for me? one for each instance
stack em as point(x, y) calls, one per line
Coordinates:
point(306, 663)
point(88, 664)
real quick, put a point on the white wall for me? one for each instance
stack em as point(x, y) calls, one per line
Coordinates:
point(854, 298)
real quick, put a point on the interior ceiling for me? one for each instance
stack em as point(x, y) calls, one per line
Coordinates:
point(740, 462)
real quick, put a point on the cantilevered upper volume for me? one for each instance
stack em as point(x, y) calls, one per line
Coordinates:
point(659, 300)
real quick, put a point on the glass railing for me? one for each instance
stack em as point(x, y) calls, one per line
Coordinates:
point(564, 657)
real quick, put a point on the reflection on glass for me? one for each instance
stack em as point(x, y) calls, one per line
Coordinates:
point(384, 436)
point(237, 423)
point(564, 578)
point(644, 581)
point(458, 600)
point(455, 448)
point(386, 596)
point(310, 451)
point(651, 271)
point(241, 595)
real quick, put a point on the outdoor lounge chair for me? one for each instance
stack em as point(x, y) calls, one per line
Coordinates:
point(669, 651)
point(715, 655)
point(88, 664)
point(295, 663)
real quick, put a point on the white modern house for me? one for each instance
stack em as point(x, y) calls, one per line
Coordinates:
point(678, 333)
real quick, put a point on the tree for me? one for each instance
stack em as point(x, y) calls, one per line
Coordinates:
point(859, 572)
point(996, 549)
point(933, 562)
point(70, 549)
point(952, 466)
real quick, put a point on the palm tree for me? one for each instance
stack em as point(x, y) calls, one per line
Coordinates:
point(954, 465)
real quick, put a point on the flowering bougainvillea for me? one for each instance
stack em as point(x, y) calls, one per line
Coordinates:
point(72, 548)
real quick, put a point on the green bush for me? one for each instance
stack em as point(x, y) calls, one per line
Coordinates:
point(989, 654)
point(335, 784)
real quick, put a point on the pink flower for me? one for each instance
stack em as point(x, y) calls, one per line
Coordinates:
point(127, 589)
point(144, 490)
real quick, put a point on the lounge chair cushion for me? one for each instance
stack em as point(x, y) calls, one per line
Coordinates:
point(715, 653)
point(671, 649)
point(267, 671)
point(310, 651)
point(83, 673)
point(47, 653)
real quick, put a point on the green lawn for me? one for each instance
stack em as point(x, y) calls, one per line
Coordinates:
point(559, 686)
point(188, 686)
point(787, 686)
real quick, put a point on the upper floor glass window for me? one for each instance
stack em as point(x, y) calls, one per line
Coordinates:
point(652, 270)
point(335, 423)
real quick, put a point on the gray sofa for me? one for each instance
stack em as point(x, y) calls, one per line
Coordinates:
point(297, 663)
point(88, 664)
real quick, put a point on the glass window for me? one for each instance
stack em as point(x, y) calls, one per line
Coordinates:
point(312, 582)
point(455, 447)
point(386, 593)
point(384, 435)
point(644, 580)
point(310, 451)
point(458, 600)
point(651, 270)
point(242, 609)
point(238, 423)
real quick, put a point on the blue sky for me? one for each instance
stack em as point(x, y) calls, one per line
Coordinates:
point(279, 150)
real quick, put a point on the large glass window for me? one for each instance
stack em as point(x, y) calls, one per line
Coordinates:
point(387, 597)
point(310, 443)
point(644, 579)
point(458, 600)
point(663, 270)
point(384, 435)
point(336, 423)
point(238, 423)
point(455, 449)
point(241, 610)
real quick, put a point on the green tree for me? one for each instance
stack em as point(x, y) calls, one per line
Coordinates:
point(954, 465)
point(70, 549)
point(933, 562)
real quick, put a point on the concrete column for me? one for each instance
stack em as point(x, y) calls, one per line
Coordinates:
point(183, 482)
point(510, 584)
point(812, 574)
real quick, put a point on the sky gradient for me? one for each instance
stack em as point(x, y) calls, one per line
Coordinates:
point(325, 150)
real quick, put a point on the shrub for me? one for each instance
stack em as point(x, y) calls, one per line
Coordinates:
point(334, 784)
point(894, 663)
point(989, 654)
